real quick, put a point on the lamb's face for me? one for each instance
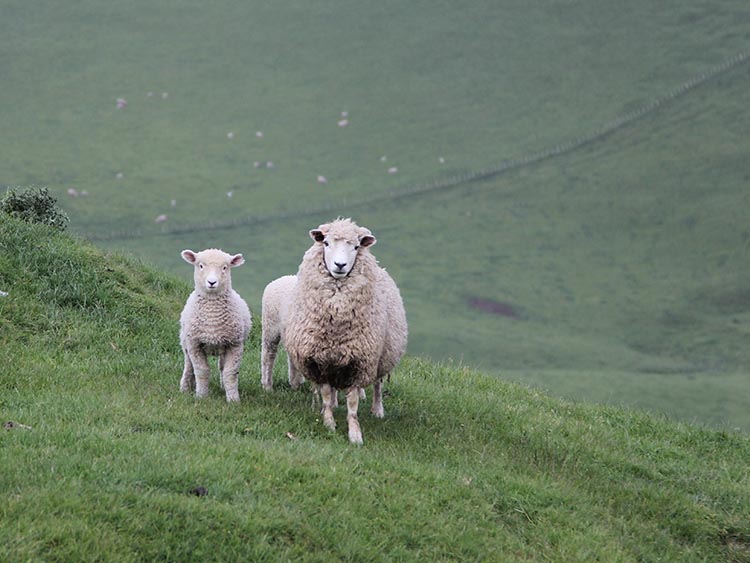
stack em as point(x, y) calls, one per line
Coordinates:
point(340, 246)
point(212, 269)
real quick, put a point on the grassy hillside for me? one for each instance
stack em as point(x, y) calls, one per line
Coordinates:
point(106, 456)
point(613, 272)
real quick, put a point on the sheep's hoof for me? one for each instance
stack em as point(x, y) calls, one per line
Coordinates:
point(233, 398)
point(355, 434)
point(328, 421)
point(378, 411)
point(268, 387)
point(186, 384)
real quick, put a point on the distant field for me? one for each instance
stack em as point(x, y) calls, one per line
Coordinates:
point(615, 272)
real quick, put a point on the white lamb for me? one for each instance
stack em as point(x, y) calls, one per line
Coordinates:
point(343, 325)
point(216, 321)
point(277, 297)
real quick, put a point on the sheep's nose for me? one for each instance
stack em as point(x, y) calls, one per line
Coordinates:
point(212, 282)
point(340, 265)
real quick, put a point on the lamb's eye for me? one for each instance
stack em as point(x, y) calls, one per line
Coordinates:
point(325, 242)
point(356, 246)
point(200, 266)
point(224, 269)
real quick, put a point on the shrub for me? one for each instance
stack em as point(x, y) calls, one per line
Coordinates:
point(34, 205)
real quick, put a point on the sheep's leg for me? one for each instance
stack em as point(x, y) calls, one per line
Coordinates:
point(268, 350)
point(352, 405)
point(202, 371)
point(221, 369)
point(362, 395)
point(187, 382)
point(377, 399)
point(326, 394)
point(230, 375)
point(295, 377)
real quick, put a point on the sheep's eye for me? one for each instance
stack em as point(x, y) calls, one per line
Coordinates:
point(224, 268)
point(356, 246)
point(200, 266)
point(325, 242)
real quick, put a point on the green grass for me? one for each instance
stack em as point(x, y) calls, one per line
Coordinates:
point(465, 467)
point(624, 259)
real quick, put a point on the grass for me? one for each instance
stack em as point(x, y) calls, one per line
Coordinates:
point(465, 467)
point(623, 260)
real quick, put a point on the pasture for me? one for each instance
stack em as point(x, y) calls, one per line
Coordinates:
point(103, 459)
point(614, 271)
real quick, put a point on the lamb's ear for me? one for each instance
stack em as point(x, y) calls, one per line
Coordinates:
point(365, 238)
point(188, 256)
point(320, 233)
point(237, 260)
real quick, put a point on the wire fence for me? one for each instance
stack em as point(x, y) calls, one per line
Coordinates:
point(451, 181)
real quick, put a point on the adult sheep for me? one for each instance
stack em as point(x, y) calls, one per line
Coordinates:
point(216, 321)
point(276, 300)
point(345, 326)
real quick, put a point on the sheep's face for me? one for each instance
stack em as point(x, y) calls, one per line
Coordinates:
point(212, 269)
point(340, 247)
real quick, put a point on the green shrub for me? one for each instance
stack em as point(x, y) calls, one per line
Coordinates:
point(34, 205)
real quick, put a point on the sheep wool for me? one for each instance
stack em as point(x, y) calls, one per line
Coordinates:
point(215, 321)
point(346, 325)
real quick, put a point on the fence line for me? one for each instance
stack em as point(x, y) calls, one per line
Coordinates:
point(456, 179)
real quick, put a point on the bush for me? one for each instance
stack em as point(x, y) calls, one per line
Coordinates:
point(34, 205)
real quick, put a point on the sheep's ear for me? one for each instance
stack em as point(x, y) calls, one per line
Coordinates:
point(237, 260)
point(365, 237)
point(188, 256)
point(319, 234)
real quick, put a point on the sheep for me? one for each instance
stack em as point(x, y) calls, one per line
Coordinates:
point(215, 321)
point(344, 326)
point(274, 313)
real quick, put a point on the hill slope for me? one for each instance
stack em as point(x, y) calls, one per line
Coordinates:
point(614, 272)
point(463, 468)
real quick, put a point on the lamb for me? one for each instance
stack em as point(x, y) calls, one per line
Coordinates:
point(275, 311)
point(344, 326)
point(215, 321)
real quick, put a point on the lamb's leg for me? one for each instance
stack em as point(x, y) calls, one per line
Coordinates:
point(352, 404)
point(187, 382)
point(377, 399)
point(221, 369)
point(202, 371)
point(230, 375)
point(268, 350)
point(326, 394)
